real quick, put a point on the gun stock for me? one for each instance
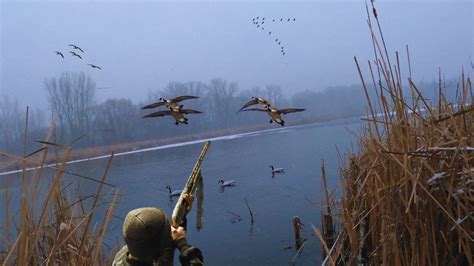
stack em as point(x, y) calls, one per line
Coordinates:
point(179, 211)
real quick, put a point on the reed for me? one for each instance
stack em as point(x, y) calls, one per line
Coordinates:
point(47, 224)
point(408, 193)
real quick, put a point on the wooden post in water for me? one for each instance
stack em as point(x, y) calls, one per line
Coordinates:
point(327, 222)
point(297, 229)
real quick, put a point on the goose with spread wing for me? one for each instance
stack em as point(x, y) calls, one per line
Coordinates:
point(178, 115)
point(256, 100)
point(172, 104)
point(275, 114)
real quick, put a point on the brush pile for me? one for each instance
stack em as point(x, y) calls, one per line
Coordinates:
point(46, 225)
point(408, 194)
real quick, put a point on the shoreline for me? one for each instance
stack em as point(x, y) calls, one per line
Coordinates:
point(102, 152)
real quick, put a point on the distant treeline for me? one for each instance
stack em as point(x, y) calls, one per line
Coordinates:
point(82, 121)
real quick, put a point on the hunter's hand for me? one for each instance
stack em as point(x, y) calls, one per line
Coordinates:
point(188, 198)
point(178, 233)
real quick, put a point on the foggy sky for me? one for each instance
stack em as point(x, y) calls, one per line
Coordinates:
point(145, 45)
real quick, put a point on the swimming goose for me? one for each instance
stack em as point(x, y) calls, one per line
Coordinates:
point(59, 53)
point(175, 193)
point(76, 47)
point(277, 170)
point(178, 115)
point(275, 113)
point(230, 183)
point(74, 54)
point(254, 101)
point(172, 104)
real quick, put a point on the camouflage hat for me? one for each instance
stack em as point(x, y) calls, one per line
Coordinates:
point(146, 232)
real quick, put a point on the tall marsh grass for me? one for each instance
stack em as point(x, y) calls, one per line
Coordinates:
point(45, 224)
point(408, 193)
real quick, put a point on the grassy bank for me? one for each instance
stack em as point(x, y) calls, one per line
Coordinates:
point(408, 193)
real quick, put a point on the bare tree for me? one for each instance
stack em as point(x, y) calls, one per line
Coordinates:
point(71, 98)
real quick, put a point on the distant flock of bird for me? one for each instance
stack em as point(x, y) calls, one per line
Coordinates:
point(75, 49)
point(260, 23)
point(177, 111)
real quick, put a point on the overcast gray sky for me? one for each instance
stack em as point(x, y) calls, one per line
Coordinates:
point(144, 45)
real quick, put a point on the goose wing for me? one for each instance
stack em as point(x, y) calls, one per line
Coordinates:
point(290, 110)
point(153, 105)
point(189, 111)
point(184, 97)
point(249, 103)
point(158, 114)
point(255, 109)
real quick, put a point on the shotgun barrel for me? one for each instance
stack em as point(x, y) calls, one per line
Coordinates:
point(180, 210)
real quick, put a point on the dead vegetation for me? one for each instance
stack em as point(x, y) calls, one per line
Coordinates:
point(408, 193)
point(44, 224)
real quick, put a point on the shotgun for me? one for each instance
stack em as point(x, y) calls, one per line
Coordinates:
point(180, 210)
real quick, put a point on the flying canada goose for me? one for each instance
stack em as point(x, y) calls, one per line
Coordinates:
point(258, 26)
point(76, 47)
point(277, 170)
point(279, 43)
point(273, 20)
point(294, 19)
point(281, 19)
point(254, 101)
point(74, 54)
point(172, 104)
point(230, 183)
point(178, 115)
point(284, 53)
point(288, 19)
point(94, 66)
point(175, 193)
point(59, 53)
point(269, 32)
point(275, 114)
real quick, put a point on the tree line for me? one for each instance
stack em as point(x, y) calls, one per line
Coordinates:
point(83, 121)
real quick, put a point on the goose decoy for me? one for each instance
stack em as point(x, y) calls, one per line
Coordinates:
point(172, 104)
point(74, 54)
point(76, 47)
point(257, 17)
point(59, 53)
point(275, 114)
point(94, 66)
point(254, 101)
point(277, 170)
point(258, 26)
point(263, 28)
point(177, 115)
point(175, 193)
point(230, 183)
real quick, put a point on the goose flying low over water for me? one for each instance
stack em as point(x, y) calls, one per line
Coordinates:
point(59, 53)
point(277, 170)
point(94, 66)
point(254, 101)
point(230, 183)
point(172, 104)
point(275, 113)
point(76, 47)
point(74, 54)
point(175, 193)
point(178, 115)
